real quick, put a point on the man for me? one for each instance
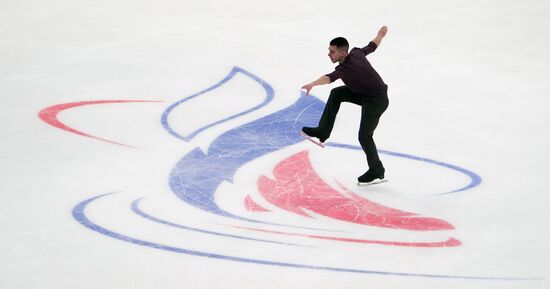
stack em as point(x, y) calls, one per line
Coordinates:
point(364, 87)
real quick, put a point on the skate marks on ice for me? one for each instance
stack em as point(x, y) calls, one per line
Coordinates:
point(199, 176)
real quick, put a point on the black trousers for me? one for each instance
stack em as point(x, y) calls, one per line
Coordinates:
point(372, 108)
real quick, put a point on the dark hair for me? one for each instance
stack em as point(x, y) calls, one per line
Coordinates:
point(340, 42)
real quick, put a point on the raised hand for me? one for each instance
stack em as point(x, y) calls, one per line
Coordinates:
point(382, 32)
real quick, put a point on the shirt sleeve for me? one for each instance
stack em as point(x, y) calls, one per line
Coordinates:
point(369, 48)
point(335, 75)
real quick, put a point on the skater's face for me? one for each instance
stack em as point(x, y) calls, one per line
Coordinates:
point(337, 55)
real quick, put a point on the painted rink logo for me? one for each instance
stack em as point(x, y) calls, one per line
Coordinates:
point(288, 204)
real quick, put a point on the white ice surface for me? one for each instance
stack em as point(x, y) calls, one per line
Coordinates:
point(468, 86)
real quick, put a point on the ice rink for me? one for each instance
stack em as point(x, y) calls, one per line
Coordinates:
point(154, 144)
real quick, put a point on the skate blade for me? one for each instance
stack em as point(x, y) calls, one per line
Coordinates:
point(375, 182)
point(304, 135)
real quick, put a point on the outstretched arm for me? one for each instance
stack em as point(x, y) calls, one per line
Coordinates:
point(376, 41)
point(320, 81)
point(381, 34)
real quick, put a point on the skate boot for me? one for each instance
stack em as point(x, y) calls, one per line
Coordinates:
point(372, 177)
point(313, 132)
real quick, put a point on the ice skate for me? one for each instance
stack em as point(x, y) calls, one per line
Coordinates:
point(372, 177)
point(312, 134)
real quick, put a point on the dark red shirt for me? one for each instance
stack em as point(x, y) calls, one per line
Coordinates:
point(358, 74)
